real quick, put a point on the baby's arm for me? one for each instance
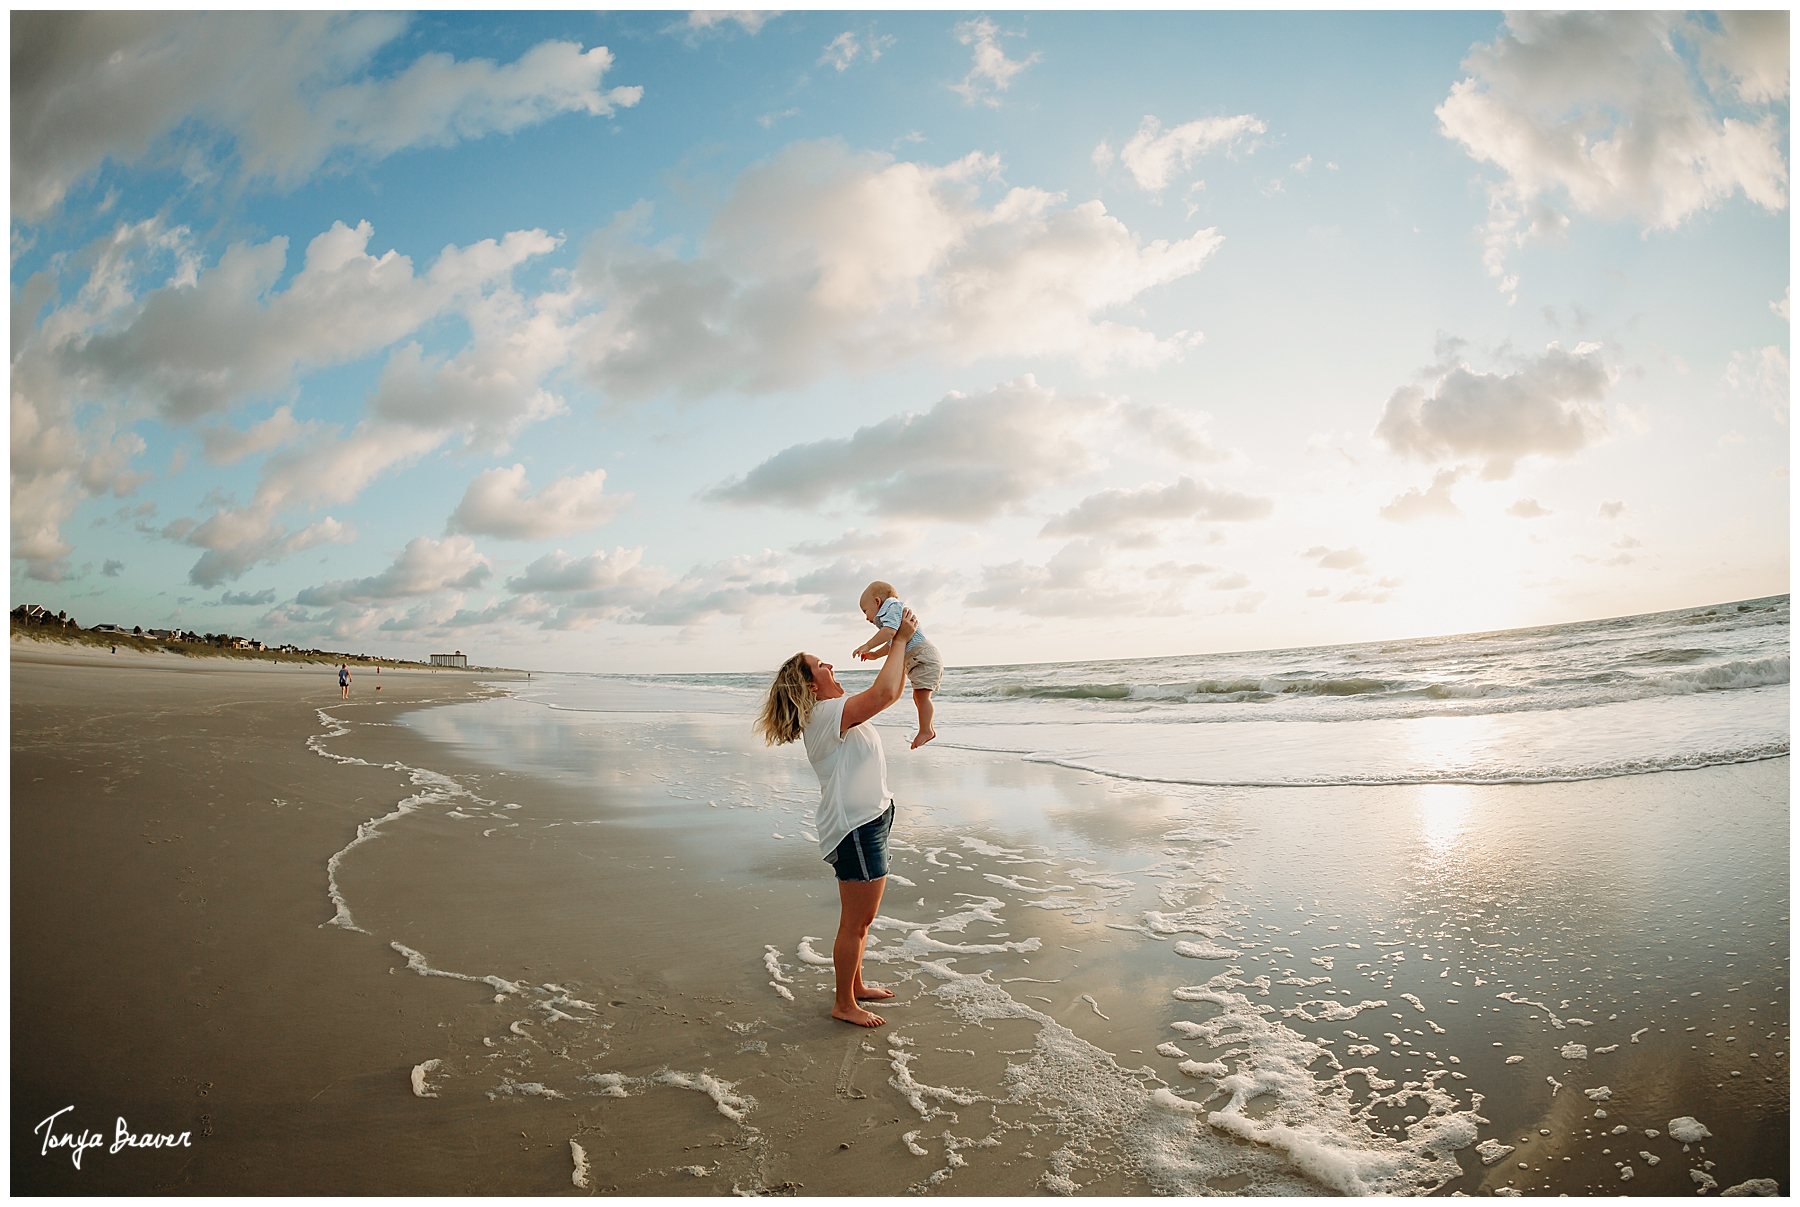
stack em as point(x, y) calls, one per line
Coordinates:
point(875, 646)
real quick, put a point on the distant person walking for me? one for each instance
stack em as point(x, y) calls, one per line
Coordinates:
point(344, 679)
point(856, 810)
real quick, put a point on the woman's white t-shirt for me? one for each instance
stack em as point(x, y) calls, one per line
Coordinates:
point(852, 771)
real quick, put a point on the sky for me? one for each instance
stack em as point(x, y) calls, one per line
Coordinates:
point(644, 341)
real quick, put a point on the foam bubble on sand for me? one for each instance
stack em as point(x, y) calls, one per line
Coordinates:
point(772, 961)
point(1574, 1051)
point(1606, 1049)
point(1687, 1130)
point(1166, 1098)
point(1169, 1050)
point(1599, 1093)
point(1491, 1151)
point(580, 1175)
point(911, 1140)
point(1012, 882)
point(896, 877)
point(514, 1028)
point(1089, 999)
point(915, 1092)
point(1416, 1003)
point(1334, 1011)
point(435, 789)
point(1555, 1086)
point(1703, 1180)
point(1196, 1068)
point(418, 964)
point(420, 1087)
point(783, 990)
point(1204, 951)
point(1766, 1188)
point(612, 1085)
point(522, 1089)
point(732, 1105)
point(982, 848)
point(808, 955)
point(1635, 1034)
point(1513, 1060)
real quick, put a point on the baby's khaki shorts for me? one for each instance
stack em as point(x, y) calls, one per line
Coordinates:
point(923, 666)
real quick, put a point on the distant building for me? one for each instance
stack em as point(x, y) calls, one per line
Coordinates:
point(457, 659)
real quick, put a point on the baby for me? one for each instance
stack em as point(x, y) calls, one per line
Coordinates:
point(882, 608)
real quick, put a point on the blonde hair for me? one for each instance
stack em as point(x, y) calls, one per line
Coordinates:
point(789, 704)
point(877, 592)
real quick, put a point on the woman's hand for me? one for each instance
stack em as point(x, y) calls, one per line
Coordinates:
point(888, 683)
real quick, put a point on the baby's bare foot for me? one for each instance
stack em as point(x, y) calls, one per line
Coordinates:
point(859, 1016)
point(924, 737)
point(864, 993)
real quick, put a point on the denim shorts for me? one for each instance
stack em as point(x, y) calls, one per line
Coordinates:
point(863, 855)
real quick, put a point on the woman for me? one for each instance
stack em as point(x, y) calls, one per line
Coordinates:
point(856, 810)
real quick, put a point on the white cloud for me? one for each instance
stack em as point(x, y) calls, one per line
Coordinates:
point(495, 504)
point(846, 48)
point(1598, 109)
point(227, 445)
point(1112, 510)
point(235, 541)
point(856, 540)
point(750, 21)
point(825, 260)
point(599, 571)
point(1545, 409)
point(968, 458)
point(196, 347)
point(1747, 54)
point(1432, 503)
point(1337, 559)
point(992, 72)
point(424, 567)
point(1761, 375)
point(272, 97)
point(212, 339)
point(1527, 509)
point(1611, 510)
point(1784, 308)
point(1154, 155)
point(1170, 430)
point(1071, 583)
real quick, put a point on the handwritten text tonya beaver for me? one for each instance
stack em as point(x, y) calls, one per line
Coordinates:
point(79, 1142)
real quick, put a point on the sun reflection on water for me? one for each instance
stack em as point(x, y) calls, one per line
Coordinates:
point(1443, 816)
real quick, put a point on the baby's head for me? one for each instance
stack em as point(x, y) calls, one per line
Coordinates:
point(873, 596)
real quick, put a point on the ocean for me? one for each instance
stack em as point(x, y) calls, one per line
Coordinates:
point(1493, 913)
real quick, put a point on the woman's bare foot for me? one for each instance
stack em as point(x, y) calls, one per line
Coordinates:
point(865, 994)
point(859, 1016)
point(924, 737)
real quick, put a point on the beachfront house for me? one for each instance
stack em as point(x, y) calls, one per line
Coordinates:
point(458, 659)
point(33, 614)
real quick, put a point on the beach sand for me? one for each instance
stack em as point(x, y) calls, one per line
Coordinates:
point(174, 961)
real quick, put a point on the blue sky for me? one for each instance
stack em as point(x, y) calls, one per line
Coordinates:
point(643, 341)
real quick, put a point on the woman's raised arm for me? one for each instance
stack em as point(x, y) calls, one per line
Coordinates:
point(886, 688)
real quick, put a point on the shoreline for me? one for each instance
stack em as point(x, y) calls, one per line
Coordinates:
point(578, 896)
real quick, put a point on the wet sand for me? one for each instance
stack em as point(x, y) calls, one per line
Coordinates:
point(170, 830)
point(170, 896)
